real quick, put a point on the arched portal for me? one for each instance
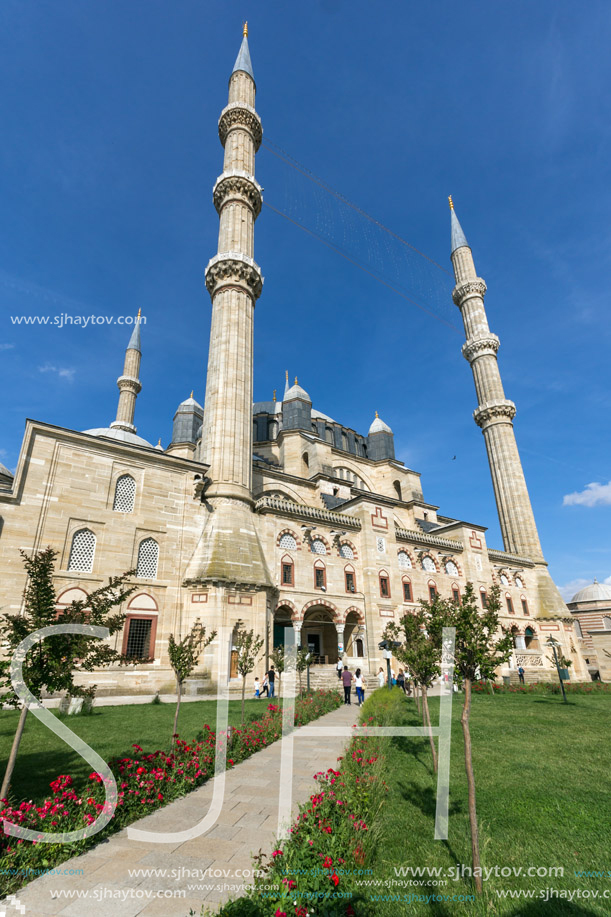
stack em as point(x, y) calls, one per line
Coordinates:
point(319, 634)
point(282, 620)
point(354, 635)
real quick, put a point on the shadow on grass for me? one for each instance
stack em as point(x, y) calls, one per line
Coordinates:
point(556, 906)
point(554, 700)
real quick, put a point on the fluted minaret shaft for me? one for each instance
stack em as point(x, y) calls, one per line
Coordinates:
point(494, 413)
point(129, 383)
point(234, 282)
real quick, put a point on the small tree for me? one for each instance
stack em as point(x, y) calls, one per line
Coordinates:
point(481, 645)
point(278, 658)
point(248, 647)
point(54, 662)
point(301, 661)
point(184, 655)
point(421, 656)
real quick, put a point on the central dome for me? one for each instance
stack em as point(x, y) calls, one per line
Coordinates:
point(596, 592)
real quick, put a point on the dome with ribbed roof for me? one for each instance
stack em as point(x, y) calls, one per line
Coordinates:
point(122, 435)
point(595, 592)
point(378, 426)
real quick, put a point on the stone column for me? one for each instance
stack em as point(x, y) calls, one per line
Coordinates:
point(340, 639)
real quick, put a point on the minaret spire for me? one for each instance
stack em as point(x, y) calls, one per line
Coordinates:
point(494, 413)
point(129, 383)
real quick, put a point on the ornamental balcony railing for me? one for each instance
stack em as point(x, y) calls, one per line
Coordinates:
point(298, 510)
point(425, 538)
point(506, 557)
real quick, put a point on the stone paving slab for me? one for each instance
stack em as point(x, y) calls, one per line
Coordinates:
point(247, 823)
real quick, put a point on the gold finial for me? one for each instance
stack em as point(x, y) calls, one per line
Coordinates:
point(295, 380)
point(191, 395)
point(451, 202)
point(139, 312)
point(286, 374)
point(159, 441)
point(245, 30)
point(377, 415)
point(274, 395)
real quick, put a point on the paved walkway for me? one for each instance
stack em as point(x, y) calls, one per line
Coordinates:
point(247, 823)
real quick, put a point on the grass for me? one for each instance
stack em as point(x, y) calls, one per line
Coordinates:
point(111, 731)
point(543, 800)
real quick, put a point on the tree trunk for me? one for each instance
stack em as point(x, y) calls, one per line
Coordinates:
point(427, 718)
point(243, 693)
point(10, 767)
point(178, 698)
point(466, 710)
point(417, 698)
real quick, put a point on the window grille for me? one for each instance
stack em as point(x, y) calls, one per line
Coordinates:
point(318, 547)
point(139, 637)
point(404, 560)
point(288, 542)
point(451, 568)
point(82, 551)
point(346, 551)
point(125, 493)
point(428, 564)
point(148, 557)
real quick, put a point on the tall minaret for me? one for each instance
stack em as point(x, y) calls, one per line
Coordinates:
point(234, 282)
point(494, 413)
point(129, 382)
point(229, 550)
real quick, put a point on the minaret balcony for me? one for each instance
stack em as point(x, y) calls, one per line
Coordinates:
point(240, 114)
point(233, 269)
point(237, 185)
point(468, 289)
point(480, 347)
point(497, 411)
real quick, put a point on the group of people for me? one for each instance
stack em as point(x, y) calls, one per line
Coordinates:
point(401, 680)
point(347, 678)
point(268, 686)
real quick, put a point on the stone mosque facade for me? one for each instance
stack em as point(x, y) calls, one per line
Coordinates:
point(272, 514)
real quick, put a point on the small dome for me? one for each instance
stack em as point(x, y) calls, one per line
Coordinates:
point(4, 472)
point(296, 391)
point(159, 447)
point(596, 592)
point(190, 404)
point(121, 435)
point(378, 426)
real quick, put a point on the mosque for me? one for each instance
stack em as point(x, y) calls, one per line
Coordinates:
point(273, 514)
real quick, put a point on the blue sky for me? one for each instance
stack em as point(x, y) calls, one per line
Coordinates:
point(109, 153)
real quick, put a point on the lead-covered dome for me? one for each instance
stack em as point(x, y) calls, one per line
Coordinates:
point(595, 592)
point(122, 435)
point(378, 426)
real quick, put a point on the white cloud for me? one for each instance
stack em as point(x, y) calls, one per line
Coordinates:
point(6, 346)
point(594, 494)
point(62, 372)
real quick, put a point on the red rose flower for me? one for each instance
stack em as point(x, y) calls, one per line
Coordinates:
point(335, 879)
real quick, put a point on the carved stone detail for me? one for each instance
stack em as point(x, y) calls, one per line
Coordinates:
point(471, 350)
point(239, 114)
point(467, 289)
point(234, 269)
point(129, 384)
point(529, 660)
point(494, 412)
point(240, 186)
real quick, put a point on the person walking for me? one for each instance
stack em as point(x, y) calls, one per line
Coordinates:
point(360, 690)
point(257, 687)
point(347, 683)
point(265, 686)
point(339, 667)
point(271, 677)
point(401, 680)
point(521, 675)
point(381, 677)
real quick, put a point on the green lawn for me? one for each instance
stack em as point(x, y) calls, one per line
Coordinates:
point(542, 772)
point(111, 731)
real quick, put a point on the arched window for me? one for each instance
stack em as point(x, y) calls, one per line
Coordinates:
point(287, 569)
point(519, 583)
point(320, 575)
point(384, 585)
point(344, 441)
point(329, 435)
point(606, 622)
point(82, 551)
point(346, 552)
point(504, 580)
point(432, 590)
point(148, 558)
point(530, 639)
point(407, 589)
point(318, 547)
point(483, 597)
point(350, 578)
point(455, 593)
point(397, 487)
point(287, 542)
point(428, 564)
point(525, 610)
point(305, 458)
point(578, 630)
point(509, 603)
point(403, 560)
point(140, 628)
point(451, 568)
point(125, 494)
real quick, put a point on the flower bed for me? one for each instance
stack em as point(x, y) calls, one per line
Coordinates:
point(144, 782)
point(332, 843)
point(545, 687)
